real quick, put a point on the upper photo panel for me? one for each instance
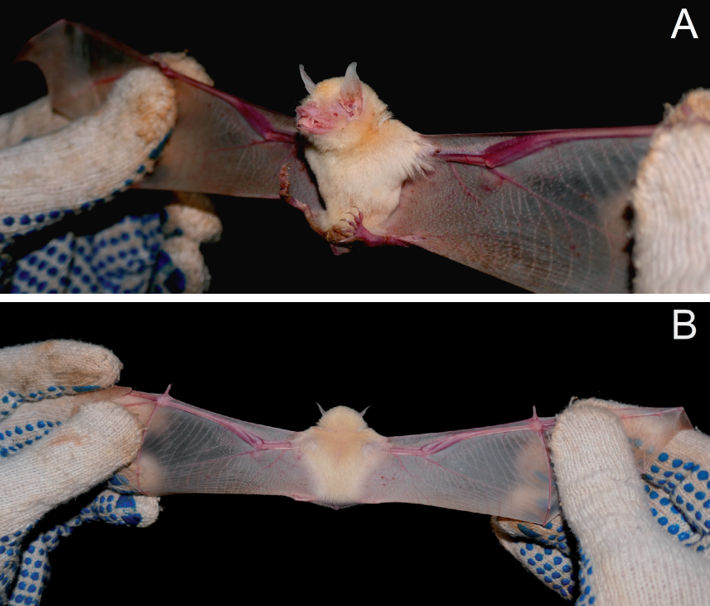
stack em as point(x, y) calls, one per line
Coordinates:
point(268, 150)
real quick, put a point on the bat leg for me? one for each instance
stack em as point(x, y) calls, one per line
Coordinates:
point(286, 194)
point(348, 230)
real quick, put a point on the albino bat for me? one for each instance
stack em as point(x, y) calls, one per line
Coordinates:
point(543, 210)
point(501, 470)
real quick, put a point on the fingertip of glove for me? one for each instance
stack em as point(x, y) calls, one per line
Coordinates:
point(148, 508)
point(73, 365)
point(693, 107)
point(101, 366)
point(186, 256)
point(194, 216)
point(148, 100)
point(588, 430)
point(186, 65)
point(583, 412)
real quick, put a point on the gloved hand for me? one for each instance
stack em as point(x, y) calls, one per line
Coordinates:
point(622, 538)
point(672, 202)
point(58, 233)
point(59, 436)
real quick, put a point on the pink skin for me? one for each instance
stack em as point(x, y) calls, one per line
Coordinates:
point(526, 144)
point(319, 118)
point(361, 234)
point(312, 120)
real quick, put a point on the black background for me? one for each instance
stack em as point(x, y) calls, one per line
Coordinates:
point(460, 67)
point(420, 368)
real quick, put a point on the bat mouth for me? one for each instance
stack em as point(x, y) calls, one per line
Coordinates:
point(312, 120)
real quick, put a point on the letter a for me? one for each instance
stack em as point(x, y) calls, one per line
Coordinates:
point(679, 24)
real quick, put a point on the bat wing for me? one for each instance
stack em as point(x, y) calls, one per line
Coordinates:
point(190, 450)
point(502, 470)
point(221, 144)
point(542, 210)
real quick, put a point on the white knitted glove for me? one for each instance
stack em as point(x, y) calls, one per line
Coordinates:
point(57, 234)
point(672, 202)
point(57, 440)
point(623, 538)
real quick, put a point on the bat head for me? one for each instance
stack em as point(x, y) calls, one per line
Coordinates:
point(342, 418)
point(338, 112)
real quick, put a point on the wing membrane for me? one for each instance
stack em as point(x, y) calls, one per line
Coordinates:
point(544, 211)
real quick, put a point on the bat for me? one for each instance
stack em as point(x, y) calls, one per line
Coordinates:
point(501, 470)
point(544, 210)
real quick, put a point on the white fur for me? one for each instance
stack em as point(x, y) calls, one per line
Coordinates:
point(360, 167)
point(341, 453)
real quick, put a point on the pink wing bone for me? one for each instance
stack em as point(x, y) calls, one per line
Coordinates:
point(544, 210)
point(501, 470)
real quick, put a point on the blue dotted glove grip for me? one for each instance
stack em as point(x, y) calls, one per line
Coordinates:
point(679, 500)
point(25, 558)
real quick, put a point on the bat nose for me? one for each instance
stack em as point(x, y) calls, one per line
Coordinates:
point(307, 110)
point(310, 119)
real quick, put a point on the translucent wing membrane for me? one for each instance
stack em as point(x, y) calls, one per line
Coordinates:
point(501, 470)
point(190, 450)
point(544, 211)
point(80, 65)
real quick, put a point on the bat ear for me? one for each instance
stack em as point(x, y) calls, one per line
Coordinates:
point(308, 83)
point(322, 412)
point(351, 91)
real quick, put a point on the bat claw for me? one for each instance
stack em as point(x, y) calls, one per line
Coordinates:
point(355, 231)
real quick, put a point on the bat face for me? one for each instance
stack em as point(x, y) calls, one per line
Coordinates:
point(331, 105)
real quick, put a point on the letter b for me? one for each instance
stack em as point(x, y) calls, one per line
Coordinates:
point(687, 323)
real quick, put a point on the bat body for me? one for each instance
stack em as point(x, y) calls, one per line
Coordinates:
point(542, 210)
point(499, 470)
point(359, 155)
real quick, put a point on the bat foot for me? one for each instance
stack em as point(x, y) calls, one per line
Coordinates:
point(341, 234)
point(355, 231)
